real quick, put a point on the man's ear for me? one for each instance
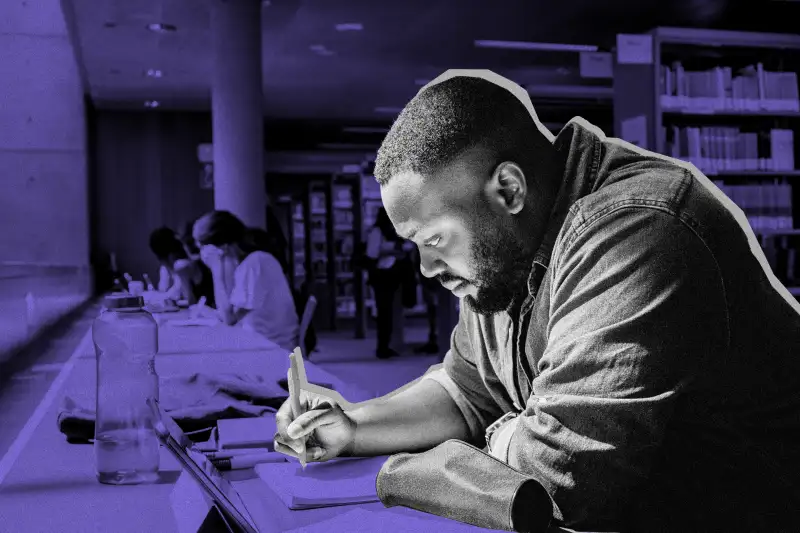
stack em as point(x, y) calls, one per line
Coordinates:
point(507, 188)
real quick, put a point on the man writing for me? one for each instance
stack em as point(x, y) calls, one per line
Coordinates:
point(616, 321)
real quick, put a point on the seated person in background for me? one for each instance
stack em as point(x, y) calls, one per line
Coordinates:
point(256, 295)
point(205, 286)
point(274, 243)
point(187, 240)
point(267, 241)
point(179, 277)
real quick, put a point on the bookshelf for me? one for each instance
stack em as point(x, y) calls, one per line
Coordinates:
point(727, 102)
point(297, 243)
point(346, 222)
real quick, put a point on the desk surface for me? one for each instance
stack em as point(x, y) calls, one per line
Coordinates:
point(51, 485)
point(199, 339)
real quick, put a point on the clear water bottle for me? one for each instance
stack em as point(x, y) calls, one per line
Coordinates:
point(126, 341)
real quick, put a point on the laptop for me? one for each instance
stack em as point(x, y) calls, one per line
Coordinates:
point(226, 500)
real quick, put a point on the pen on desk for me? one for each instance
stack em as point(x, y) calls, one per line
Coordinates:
point(294, 395)
point(227, 454)
point(248, 461)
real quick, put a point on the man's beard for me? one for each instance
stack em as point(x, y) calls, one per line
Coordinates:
point(502, 265)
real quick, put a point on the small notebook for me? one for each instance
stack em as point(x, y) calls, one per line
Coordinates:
point(329, 484)
point(238, 433)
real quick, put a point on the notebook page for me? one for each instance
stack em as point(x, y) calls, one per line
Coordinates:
point(336, 482)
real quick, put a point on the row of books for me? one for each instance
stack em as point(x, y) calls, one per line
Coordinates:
point(720, 149)
point(766, 206)
point(717, 89)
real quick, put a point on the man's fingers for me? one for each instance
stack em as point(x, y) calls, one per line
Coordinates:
point(286, 450)
point(306, 423)
point(284, 417)
point(317, 454)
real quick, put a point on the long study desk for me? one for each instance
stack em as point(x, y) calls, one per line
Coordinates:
point(51, 485)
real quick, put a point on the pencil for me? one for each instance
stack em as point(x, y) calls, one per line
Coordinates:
point(294, 394)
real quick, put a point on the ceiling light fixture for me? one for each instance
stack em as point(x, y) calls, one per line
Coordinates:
point(388, 110)
point(152, 104)
point(161, 28)
point(577, 92)
point(540, 47)
point(350, 26)
point(153, 73)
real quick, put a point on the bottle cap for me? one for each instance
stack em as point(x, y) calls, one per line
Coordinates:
point(122, 301)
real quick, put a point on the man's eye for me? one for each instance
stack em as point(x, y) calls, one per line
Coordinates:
point(434, 241)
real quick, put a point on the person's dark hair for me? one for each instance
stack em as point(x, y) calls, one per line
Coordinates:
point(165, 245)
point(384, 223)
point(458, 114)
point(219, 228)
point(186, 238)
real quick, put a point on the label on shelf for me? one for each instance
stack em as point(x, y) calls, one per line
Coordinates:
point(596, 65)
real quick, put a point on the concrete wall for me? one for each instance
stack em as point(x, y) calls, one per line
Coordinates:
point(44, 228)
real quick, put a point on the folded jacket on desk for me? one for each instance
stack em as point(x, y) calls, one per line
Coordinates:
point(195, 402)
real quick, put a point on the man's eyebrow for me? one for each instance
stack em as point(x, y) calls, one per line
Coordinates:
point(411, 234)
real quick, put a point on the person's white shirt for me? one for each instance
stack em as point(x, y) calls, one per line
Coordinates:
point(260, 286)
point(170, 284)
point(164, 279)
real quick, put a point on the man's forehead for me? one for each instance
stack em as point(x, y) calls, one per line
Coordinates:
point(408, 198)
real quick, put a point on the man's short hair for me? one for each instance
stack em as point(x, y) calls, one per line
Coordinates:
point(458, 114)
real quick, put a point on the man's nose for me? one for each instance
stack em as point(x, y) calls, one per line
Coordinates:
point(430, 267)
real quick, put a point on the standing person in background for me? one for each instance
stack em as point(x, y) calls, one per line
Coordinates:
point(258, 298)
point(180, 277)
point(384, 251)
point(279, 246)
point(429, 287)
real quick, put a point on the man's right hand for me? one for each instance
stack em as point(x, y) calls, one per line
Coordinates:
point(324, 431)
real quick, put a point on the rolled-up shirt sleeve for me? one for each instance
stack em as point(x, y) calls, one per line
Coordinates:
point(637, 307)
point(460, 377)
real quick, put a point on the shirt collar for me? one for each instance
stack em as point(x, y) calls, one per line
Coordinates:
point(582, 152)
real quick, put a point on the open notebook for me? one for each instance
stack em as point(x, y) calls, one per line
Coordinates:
point(329, 484)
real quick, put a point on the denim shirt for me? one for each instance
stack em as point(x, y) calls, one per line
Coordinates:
point(654, 367)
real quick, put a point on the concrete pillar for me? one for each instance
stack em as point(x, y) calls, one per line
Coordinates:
point(237, 110)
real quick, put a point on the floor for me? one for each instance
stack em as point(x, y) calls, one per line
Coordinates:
point(26, 380)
